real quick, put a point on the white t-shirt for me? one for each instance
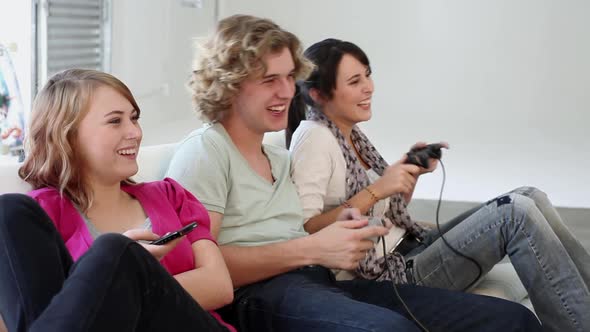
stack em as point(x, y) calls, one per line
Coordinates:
point(318, 170)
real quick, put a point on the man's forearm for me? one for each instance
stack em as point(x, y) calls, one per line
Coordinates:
point(251, 264)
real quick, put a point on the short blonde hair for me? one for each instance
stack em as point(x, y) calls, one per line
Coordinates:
point(59, 107)
point(234, 53)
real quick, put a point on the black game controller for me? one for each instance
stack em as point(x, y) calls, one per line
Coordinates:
point(420, 156)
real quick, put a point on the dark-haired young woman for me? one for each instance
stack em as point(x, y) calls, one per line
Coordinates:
point(335, 166)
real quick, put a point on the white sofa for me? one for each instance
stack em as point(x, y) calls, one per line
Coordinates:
point(501, 281)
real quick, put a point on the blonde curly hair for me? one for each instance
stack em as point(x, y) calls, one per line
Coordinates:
point(59, 107)
point(234, 53)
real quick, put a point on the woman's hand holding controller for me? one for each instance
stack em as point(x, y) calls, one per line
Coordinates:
point(398, 178)
point(425, 155)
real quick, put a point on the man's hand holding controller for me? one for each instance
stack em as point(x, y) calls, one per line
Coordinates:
point(342, 244)
point(351, 214)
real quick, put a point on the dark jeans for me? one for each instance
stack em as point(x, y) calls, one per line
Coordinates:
point(116, 286)
point(309, 299)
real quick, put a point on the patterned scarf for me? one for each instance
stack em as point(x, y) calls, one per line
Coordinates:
point(356, 180)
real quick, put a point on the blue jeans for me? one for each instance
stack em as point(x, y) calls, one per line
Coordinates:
point(116, 286)
point(309, 299)
point(523, 224)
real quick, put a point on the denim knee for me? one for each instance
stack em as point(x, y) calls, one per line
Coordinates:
point(536, 194)
point(527, 189)
point(113, 251)
point(520, 316)
point(377, 320)
point(12, 204)
point(14, 198)
point(112, 243)
point(522, 206)
point(390, 323)
point(18, 210)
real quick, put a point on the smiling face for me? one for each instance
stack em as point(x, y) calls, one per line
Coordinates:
point(108, 137)
point(351, 98)
point(262, 102)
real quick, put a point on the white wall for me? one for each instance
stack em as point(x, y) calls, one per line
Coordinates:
point(505, 82)
point(152, 53)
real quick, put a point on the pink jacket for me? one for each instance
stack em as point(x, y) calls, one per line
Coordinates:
point(168, 205)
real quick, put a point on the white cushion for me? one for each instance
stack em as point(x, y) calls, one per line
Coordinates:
point(11, 182)
point(153, 162)
point(502, 281)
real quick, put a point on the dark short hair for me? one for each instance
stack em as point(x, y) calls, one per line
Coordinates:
point(326, 55)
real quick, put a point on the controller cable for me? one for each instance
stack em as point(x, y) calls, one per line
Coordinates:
point(453, 249)
point(397, 294)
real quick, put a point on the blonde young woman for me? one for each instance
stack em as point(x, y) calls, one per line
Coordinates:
point(66, 266)
point(334, 166)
